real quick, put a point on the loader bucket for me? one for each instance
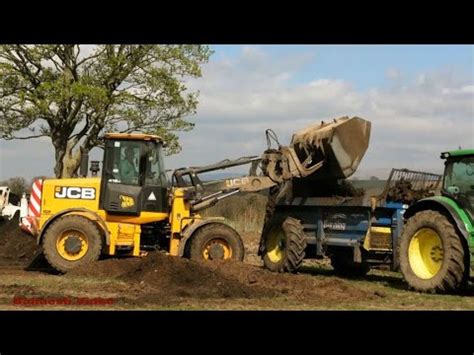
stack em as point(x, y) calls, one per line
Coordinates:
point(339, 144)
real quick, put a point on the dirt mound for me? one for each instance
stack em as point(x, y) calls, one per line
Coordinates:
point(167, 277)
point(319, 290)
point(16, 247)
point(164, 280)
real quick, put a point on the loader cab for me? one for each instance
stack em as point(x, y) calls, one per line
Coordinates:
point(133, 175)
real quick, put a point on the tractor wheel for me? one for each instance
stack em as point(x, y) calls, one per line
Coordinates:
point(432, 256)
point(216, 241)
point(285, 244)
point(71, 241)
point(344, 265)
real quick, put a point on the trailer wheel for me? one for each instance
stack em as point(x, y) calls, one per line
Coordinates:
point(71, 241)
point(269, 212)
point(344, 265)
point(432, 256)
point(285, 244)
point(216, 241)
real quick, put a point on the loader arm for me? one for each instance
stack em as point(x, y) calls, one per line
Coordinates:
point(327, 150)
point(202, 195)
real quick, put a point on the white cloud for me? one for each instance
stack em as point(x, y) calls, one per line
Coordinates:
point(253, 54)
point(413, 119)
point(468, 89)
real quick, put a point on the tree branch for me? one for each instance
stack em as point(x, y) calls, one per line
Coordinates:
point(98, 54)
point(27, 137)
point(84, 129)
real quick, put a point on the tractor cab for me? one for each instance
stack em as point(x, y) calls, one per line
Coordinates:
point(133, 175)
point(458, 182)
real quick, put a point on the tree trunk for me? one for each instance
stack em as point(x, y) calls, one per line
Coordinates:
point(59, 151)
point(71, 163)
point(68, 160)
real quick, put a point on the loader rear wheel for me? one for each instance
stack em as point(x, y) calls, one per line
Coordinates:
point(216, 241)
point(432, 256)
point(285, 244)
point(71, 241)
point(344, 265)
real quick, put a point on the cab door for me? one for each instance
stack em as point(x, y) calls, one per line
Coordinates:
point(155, 187)
point(123, 177)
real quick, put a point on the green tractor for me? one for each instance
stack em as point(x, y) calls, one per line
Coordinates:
point(436, 248)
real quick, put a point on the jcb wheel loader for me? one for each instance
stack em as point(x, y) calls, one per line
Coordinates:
point(130, 210)
point(133, 209)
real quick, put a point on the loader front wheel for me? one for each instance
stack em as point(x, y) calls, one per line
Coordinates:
point(216, 241)
point(432, 255)
point(285, 244)
point(71, 241)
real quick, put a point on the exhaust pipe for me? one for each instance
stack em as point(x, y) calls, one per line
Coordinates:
point(84, 164)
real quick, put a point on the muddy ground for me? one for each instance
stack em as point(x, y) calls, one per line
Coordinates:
point(162, 282)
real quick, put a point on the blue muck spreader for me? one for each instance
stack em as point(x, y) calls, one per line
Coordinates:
point(319, 213)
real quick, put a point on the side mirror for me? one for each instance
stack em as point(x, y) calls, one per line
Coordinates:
point(453, 190)
point(94, 167)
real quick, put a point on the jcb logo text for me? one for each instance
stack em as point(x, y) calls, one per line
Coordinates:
point(84, 193)
point(237, 182)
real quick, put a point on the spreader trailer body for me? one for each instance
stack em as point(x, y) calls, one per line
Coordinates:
point(355, 232)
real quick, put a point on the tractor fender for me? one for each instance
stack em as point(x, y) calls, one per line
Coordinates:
point(193, 227)
point(439, 205)
point(81, 212)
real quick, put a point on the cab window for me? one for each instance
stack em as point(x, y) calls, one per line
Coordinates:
point(126, 163)
point(460, 173)
point(155, 171)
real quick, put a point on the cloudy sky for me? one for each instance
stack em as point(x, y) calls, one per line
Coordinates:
point(420, 100)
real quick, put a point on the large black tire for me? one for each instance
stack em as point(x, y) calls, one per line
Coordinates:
point(75, 224)
point(216, 241)
point(344, 265)
point(285, 245)
point(269, 212)
point(452, 275)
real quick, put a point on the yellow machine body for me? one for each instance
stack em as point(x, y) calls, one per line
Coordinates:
point(118, 230)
